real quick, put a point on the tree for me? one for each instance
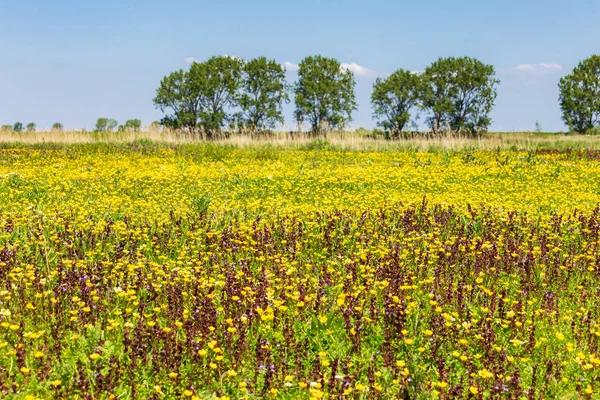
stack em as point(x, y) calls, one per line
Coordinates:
point(324, 93)
point(17, 127)
point(133, 124)
point(580, 95)
point(30, 127)
point(393, 98)
point(200, 97)
point(459, 92)
point(106, 124)
point(57, 127)
point(111, 124)
point(101, 124)
point(6, 128)
point(538, 127)
point(264, 91)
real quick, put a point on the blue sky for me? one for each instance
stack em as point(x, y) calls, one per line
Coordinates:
point(74, 61)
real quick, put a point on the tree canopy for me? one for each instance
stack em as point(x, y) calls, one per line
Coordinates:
point(324, 93)
point(199, 98)
point(460, 93)
point(264, 91)
point(394, 97)
point(580, 96)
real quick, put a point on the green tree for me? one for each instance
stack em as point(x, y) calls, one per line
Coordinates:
point(30, 127)
point(57, 127)
point(459, 92)
point(133, 124)
point(324, 93)
point(264, 91)
point(393, 98)
point(176, 93)
point(202, 96)
point(6, 128)
point(17, 127)
point(111, 124)
point(101, 124)
point(580, 95)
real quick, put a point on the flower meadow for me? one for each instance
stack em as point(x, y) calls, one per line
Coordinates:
point(208, 271)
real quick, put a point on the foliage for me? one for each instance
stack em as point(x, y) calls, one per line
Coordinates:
point(394, 97)
point(200, 98)
point(133, 124)
point(580, 96)
point(17, 127)
point(538, 127)
point(460, 93)
point(30, 127)
point(305, 274)
point(264, 91)
point(57, 127)
point(6, 128)
point(106, 125)
point(324, 94)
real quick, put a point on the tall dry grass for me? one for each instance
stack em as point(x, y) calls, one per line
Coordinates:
point(349, 140)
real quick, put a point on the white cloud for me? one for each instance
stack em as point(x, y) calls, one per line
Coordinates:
point(358, 69)
point(190, 60)
point(538, 69)
point(290, 66)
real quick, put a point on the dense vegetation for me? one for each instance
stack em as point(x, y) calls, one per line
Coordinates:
point(209, 271)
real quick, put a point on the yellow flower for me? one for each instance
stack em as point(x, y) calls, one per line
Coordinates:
point(428, 332)
point(173, 374)
point(409, 341)
point(188, 393)
point(25, 370)
point(473, 390)
point(56, 383)
point(202, 352)
point(484, 373)
point(94, 356)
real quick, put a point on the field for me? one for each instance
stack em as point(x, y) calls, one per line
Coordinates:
point(157, 270)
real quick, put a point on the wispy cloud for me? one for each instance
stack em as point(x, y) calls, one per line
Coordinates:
point(538, 69)
point(359, 70)
point(190, 60)
point(290, 66)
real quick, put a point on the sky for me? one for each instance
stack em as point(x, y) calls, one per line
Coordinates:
point(72, 61)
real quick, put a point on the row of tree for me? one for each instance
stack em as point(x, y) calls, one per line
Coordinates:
point(454, 93)
point(102, 125)
point(19, 127)
point(109, 125)
point(457, 93)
